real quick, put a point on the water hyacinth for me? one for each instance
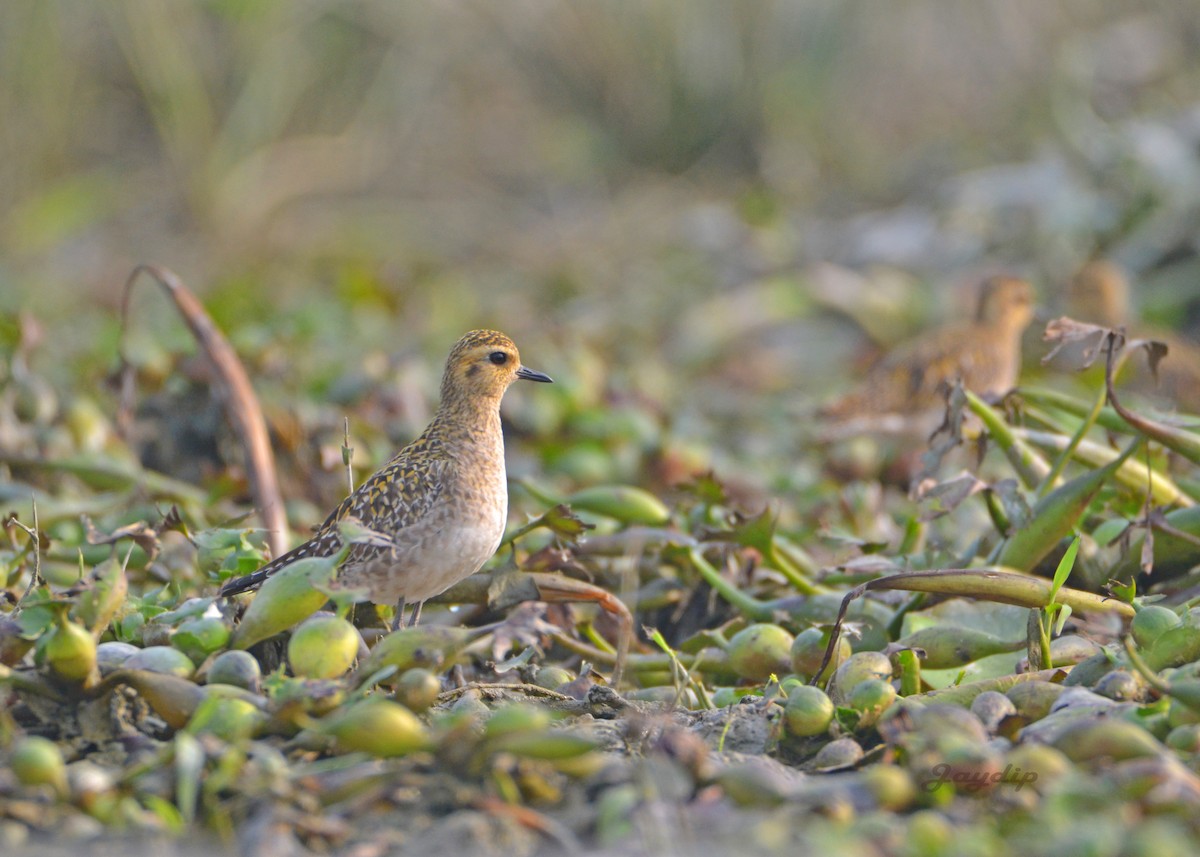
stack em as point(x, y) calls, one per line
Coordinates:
point(69, 650)
point(323, 647)
point(375, 726)
point(286, 599)
point(760, 650)
point(941, 691)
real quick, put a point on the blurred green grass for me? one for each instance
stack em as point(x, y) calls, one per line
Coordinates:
point(633, 191)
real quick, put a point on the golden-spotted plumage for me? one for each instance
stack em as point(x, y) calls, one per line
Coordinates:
point(442, 501)
point(984, 354)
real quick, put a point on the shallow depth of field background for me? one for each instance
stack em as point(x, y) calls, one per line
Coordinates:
point(702, 218)
point(643, 194)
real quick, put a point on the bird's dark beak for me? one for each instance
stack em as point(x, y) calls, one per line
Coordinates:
point(533, 375)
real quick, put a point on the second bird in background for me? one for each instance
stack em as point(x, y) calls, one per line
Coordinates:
point(906, 388)
point(1100, 294)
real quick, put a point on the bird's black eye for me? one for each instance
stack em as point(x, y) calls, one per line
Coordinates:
point(498, 357)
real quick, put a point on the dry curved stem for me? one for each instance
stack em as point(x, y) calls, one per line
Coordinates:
point(1004, 587)
point(35, 544)
point(235, 391)
point(553, 587)
point(506, 589)
point(1184, 442)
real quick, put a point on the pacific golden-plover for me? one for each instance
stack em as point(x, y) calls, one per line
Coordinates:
point(985, 354)
point(1099, 293)
point(442, 501)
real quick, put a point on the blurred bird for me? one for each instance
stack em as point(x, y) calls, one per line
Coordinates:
point(441, 502)
point(1099, 293)
point(909, 382)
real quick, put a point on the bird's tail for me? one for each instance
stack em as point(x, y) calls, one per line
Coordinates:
point(255, 578)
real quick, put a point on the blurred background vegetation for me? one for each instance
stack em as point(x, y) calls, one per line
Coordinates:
point(648, 197)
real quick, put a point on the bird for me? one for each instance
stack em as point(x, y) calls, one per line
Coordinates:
point(441, 502)
point(910, 380)
point(1099, 293)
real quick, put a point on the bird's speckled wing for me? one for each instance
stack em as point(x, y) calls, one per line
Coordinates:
point(393, 498)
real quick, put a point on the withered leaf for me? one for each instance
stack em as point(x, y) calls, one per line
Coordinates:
point(942, 498)
point(565, 523)
point(525, 627)
point(1090, 340)
point(1155, 352)
point(141, 533)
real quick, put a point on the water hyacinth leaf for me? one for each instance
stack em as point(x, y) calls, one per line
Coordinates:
point(287, 597)
point(323, 647)
point(1132, 474)
point(1186, 443)
point(229, 552)
point(193, 608)
point(1030, 466)
point(97, 605)
point(1174, 647)
point(944, 497)
point(201, 637)
point(35, 618)
point(37, 761)
point(623, 503)
point(546, 745)
point(140, 532)
point(946, 646)
point(229, 718)
point(1109, 530)
point(1175, 545)
point(189, 769)
point(562, 522)
point(174, 699)
point(69, 650)
point(429, 646)
point(376, 726)
point(1055, 516)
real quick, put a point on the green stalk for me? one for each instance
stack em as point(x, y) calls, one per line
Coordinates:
point(1132, 474)
point(747, 605)
point(1064, 456)
point(1055, 516)
point(1030, 467)
point(783, 561)
point(910, 672)
point(1106, 417)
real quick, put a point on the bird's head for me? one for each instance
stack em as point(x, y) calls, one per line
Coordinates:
point(482, 365)
point(1006, 301)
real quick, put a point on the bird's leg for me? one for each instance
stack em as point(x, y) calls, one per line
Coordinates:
point(398, 617)
point(416, 614)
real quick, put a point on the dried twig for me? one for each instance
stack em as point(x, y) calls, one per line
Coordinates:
point(233, 387)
